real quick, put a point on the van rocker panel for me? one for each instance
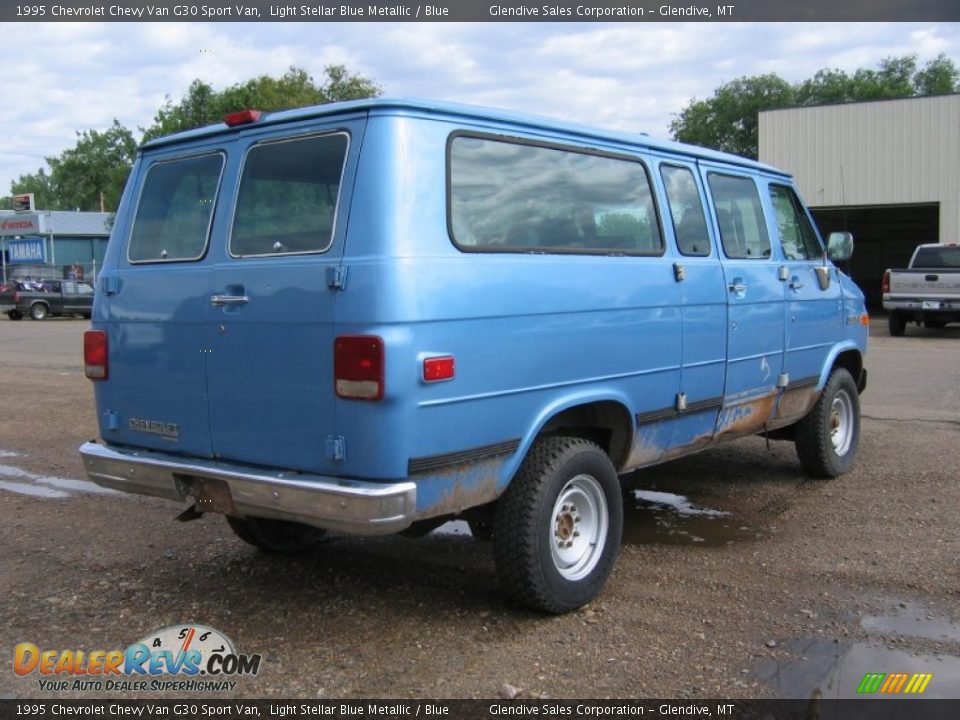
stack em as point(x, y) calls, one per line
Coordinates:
point(356, 507)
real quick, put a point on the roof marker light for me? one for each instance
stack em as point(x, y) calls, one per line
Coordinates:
point(243, 117)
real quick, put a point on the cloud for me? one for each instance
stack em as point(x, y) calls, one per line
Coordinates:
point(630, 76)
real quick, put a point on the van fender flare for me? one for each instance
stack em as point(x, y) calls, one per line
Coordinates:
point(836, 352)
point(552, 410)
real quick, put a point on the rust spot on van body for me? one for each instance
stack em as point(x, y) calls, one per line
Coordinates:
point(746, 418)
point(797, 403)
point(459, 487)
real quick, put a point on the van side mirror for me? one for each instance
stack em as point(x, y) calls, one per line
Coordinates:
point(839, 246)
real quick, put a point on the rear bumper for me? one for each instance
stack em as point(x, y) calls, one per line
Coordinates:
point(926, 306)
point(352, 506)
point(7, 308)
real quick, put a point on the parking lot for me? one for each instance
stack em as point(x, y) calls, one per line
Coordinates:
point(739, 577)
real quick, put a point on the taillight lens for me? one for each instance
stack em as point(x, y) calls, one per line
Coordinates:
point(885, 283)
point(358, 367)
point(95, 355)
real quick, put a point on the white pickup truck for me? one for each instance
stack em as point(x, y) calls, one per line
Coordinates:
point(927, 292)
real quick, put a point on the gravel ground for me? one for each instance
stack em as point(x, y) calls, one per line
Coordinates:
point(802, 585)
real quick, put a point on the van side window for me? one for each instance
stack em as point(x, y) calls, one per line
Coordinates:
point(176, 205)
point(686, 210)
point(797, 238)
point(743, 230)
point(288, 196)
point(519, 197)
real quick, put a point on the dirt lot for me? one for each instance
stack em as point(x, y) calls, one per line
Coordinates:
point(800, 589)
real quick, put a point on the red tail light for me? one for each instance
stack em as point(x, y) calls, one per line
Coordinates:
point(358, 367)
point(95, 355)
point(885, 283)
point(16, 296)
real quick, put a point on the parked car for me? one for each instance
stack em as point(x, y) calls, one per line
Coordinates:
point(377, 316)
point(927, 292)
point(45, 298)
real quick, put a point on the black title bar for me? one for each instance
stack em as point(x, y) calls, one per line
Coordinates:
point(646, 11)
point(293, 709)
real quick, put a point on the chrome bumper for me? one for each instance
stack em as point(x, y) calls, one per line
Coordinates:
point(352, 506)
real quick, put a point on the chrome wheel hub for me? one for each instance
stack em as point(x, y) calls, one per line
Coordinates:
point(578, 530)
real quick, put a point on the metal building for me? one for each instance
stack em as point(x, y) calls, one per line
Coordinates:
point(52, 243)
point(887, 171)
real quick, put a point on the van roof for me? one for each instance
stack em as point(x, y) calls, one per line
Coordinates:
point(387, 106)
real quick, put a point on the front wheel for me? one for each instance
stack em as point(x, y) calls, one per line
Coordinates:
point(276, 536)
point(38, 311)
point(828, 437)
point(557, 528)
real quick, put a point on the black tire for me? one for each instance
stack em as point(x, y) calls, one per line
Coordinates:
point(897, 324)
point(38, 311)
point(276, 536)
point(828, 437)
point(15, 315)
point(537, 516)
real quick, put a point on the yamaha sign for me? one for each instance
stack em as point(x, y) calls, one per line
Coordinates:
point(27, 252)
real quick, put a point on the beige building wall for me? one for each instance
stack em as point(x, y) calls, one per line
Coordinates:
point(888, 152)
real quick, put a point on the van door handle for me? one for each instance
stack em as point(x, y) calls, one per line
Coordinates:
point(795, 283)
point(738, 287)
point(219, 300)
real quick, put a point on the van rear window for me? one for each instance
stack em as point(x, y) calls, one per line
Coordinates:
point(288, 196)
point(176, 205)
point(510, 196)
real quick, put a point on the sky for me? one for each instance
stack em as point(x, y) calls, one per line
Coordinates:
point(60, 78)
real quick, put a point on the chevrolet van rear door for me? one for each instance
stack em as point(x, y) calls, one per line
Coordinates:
point(272, 295)
point(153, 303)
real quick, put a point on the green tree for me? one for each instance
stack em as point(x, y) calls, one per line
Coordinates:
point(91, 175)
point(41, 185)
point(88, 176)
point(202, 105)
point(729, 119)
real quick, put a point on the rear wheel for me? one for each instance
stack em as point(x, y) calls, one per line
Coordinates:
point(897, 324)
point(828, 437)
point(557, 528)
point(38, 311)
point(15, 315)
point(276, 536)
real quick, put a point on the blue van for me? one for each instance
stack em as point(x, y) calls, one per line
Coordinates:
point(375, 316)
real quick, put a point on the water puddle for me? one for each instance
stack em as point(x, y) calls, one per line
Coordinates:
point(454, 527)
point(47, 486)
point(912, 620)
point(664, 518)
point(8, 453)
point(832, 670)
